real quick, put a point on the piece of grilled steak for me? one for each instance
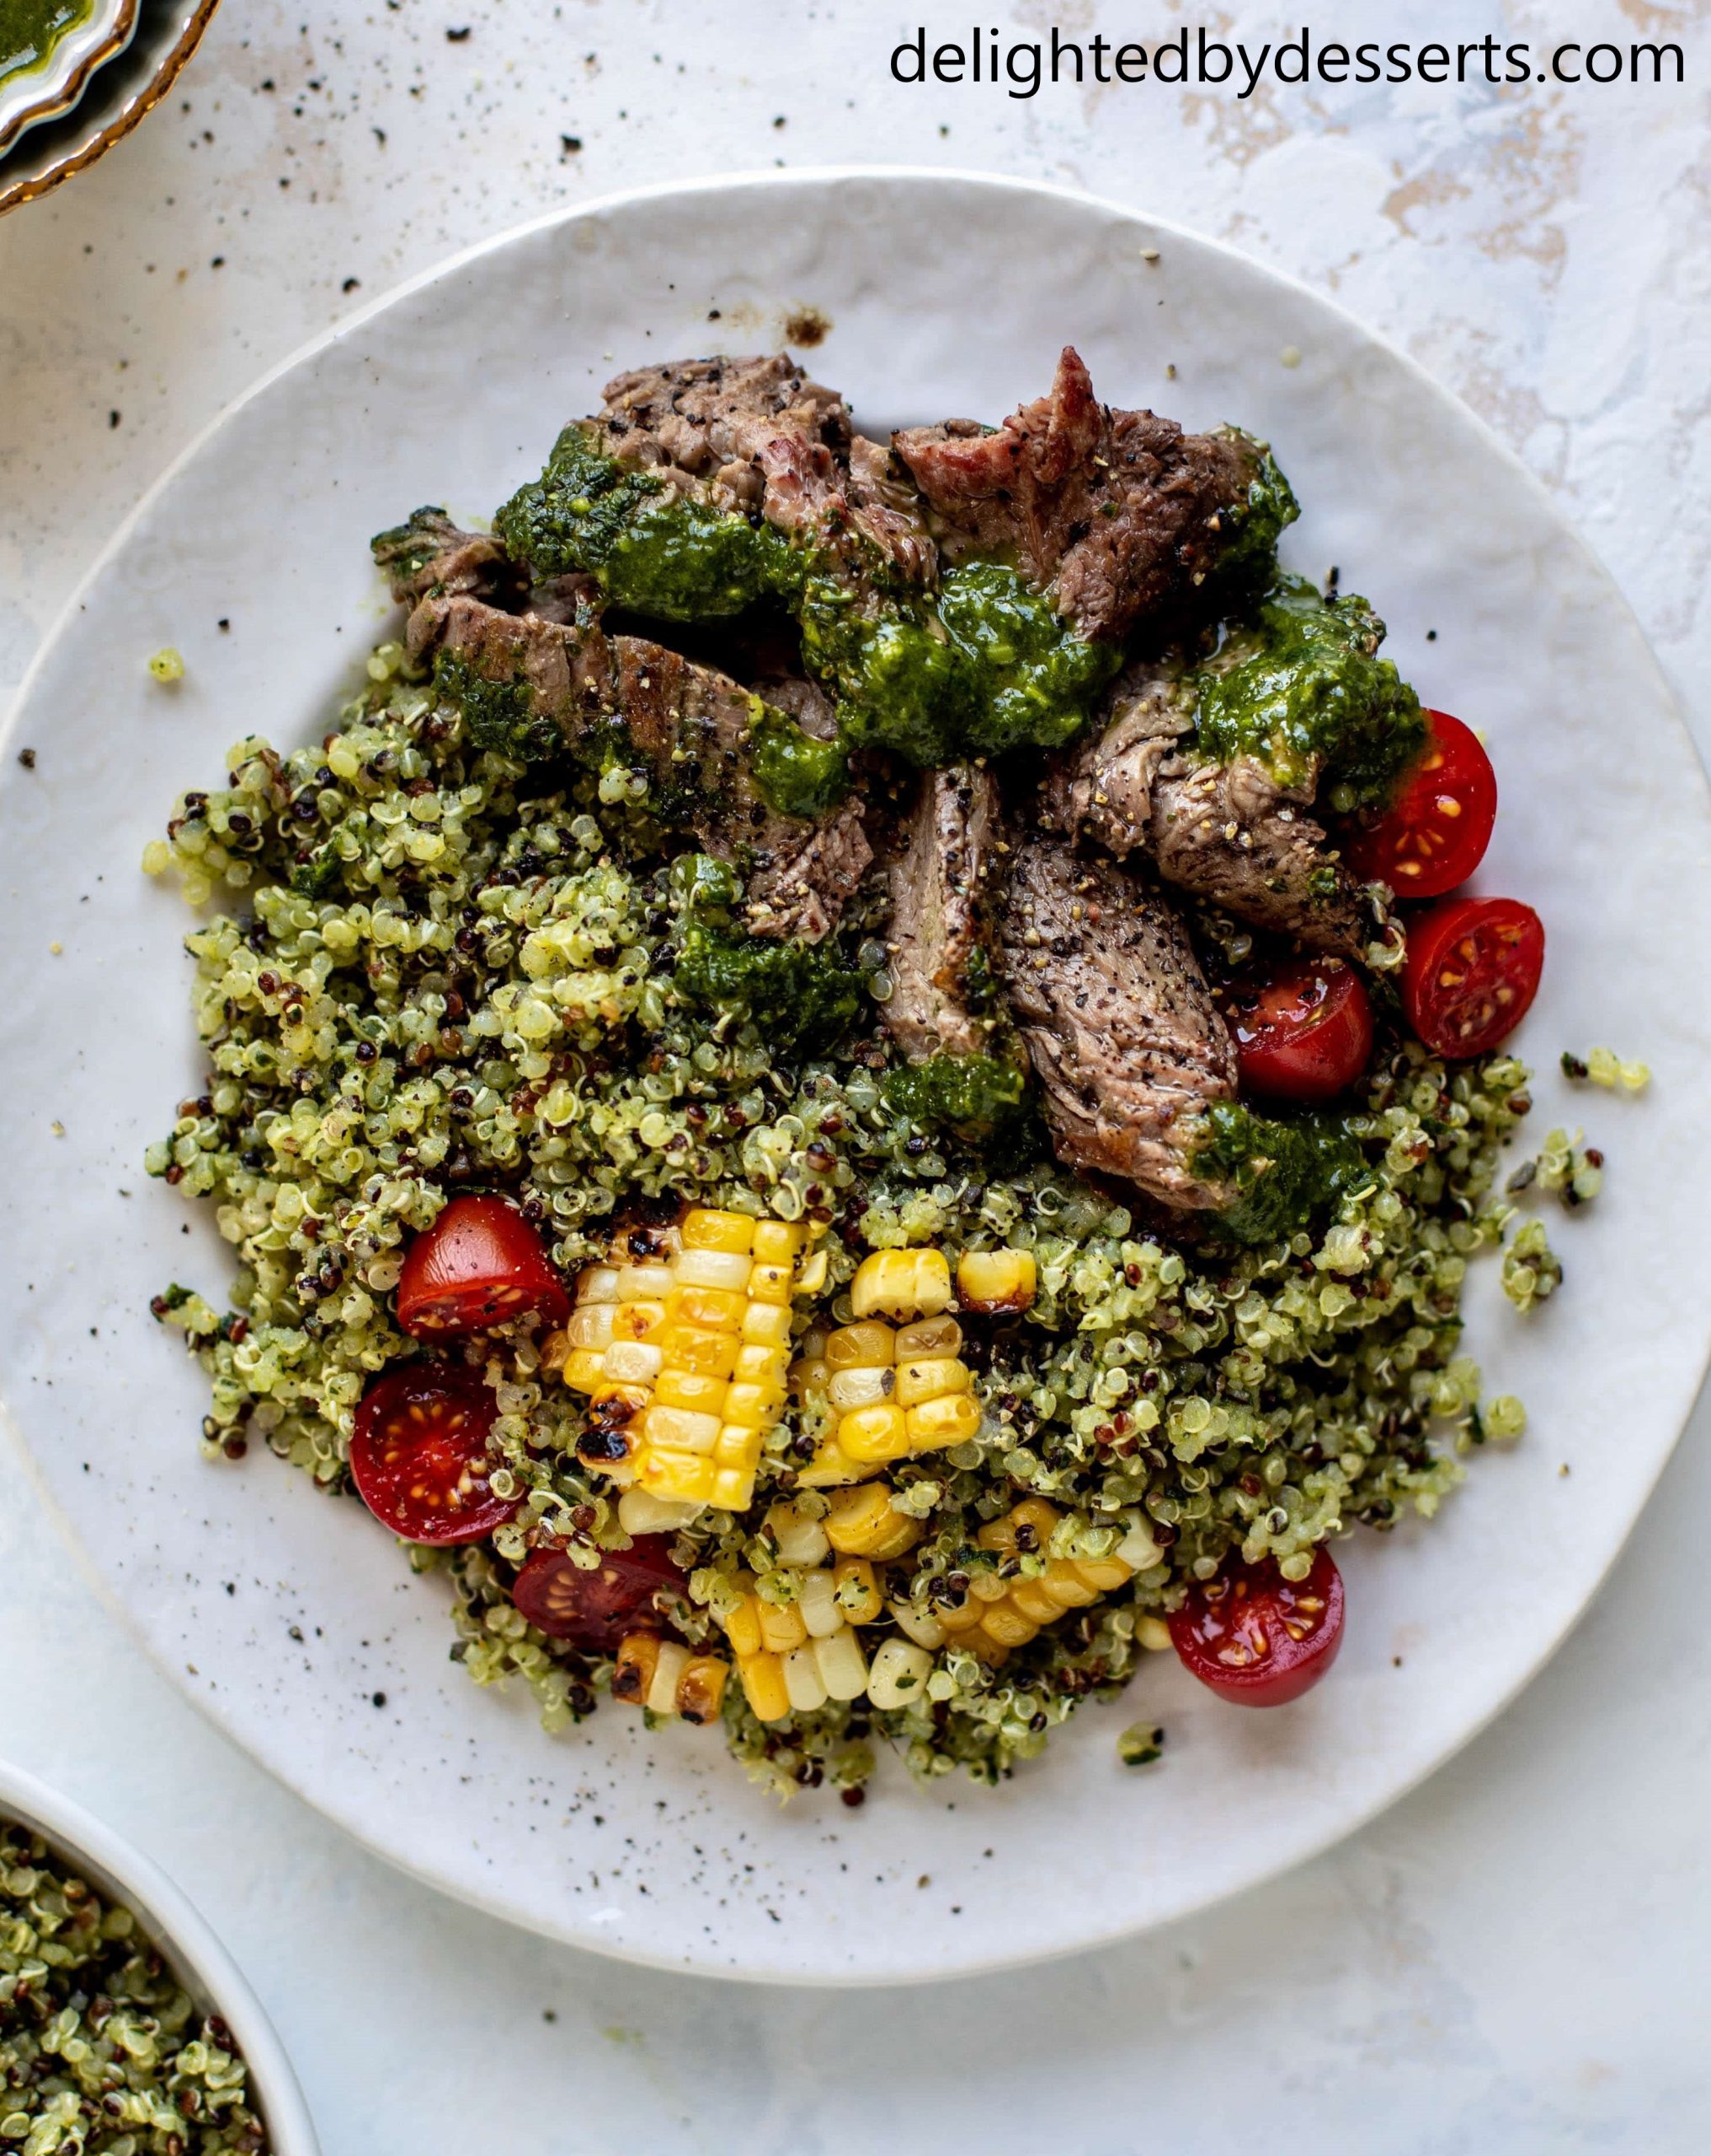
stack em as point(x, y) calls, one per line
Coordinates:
point(429, 553)
point(1229, 833)
point(937, 937)
point(687, 725)
point(1118, 1021)
point(757, 436)
point(1119, 514)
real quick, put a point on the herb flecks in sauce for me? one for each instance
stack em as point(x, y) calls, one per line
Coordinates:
point(1286, 1173)
point(795, 775)
point(31, 29)
point(1249, 561)
point(1304, 685)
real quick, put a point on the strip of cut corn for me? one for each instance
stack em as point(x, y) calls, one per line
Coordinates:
point(670, 1679)
point(894, 1392)
point(792, 1656)
point(683, 1346)
point(999, 1614)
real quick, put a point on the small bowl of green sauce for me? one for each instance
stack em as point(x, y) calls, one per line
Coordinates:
point(50, 52)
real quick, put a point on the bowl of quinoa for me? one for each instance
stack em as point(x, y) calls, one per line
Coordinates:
point(125, 2028)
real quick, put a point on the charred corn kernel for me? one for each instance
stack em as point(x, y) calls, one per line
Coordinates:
point(994, 1280)
point(930, 1378)
point(928, 1339)
point(902, 1284)
point(993, 1623)
point(800, 1538)
point(859, 1388)
point(841, 1664)
point(667, 1678)
point(898, 1675)
point(641, 1512)
point(951, 1420)
point(919, 1625)
point(869, 1347)
point(875, 1434)
point(862, 1524)
point(706, 1229)
point(678, 1388)
point(856, 1589)
point(763, 1686)
point(638, 1320)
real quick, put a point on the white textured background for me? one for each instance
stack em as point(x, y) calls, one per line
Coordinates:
point(1518, 1958)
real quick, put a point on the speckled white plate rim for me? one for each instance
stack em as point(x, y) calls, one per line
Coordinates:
point(1286, 1857)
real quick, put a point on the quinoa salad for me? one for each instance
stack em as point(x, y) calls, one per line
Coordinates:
point(102, 2051)
point(858, 1084)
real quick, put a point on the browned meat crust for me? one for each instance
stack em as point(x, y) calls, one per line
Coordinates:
point(938, 902)
point(758, 436)
point(688, 725)
point(1119, 512)
point(1119, 1025)
point(1230, 834)
point(431, 553)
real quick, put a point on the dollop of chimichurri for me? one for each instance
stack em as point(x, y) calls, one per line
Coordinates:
point(30, 30)
point(1286, 1173)
point(984, 665)
point(794, 993)
point(795, 774)
point(1305, 681)
point(977, 1098)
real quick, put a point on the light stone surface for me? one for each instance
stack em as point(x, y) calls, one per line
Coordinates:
point(1516, 1957)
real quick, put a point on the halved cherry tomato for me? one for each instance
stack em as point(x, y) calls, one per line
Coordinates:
point(1257, 1639)
point(480, 1264)
point(1472, 971)
point(1302, 1028)
point(593, 1609)
point(419, 1454)
point(1435, 832)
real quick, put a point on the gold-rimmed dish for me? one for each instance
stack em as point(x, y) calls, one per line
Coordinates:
point(129, 82)
point(49, 64)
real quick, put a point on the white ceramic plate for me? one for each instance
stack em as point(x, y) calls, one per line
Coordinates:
point(285, 1614)
point(202, 1965)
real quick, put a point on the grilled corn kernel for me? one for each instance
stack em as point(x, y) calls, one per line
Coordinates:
point(633, 1362)
point(802, 1683)
point(684, 1477)
point(856, 1591)
point(590, 1325)
point(778, 1242)
point(841, 1664)
point(861, 1523)
point(681, 1388)
point(898, 1675)
point(641, 1512)
point(584, 1368)
point(819, 1604)
point(993, 1623)
point(763, 1686)
point(668, 1678)
point(719, 1310)
point(706, 1229)
point(754, 1407)
point(712, 1268)
point(950, 1420)
point(869, 1347)
point(930, 1379)
point(859, 1388)
point(782, 1626)
point(800, 1538)
point(921, 1625)
point(767, 1325)
point(876, 1433)
point(928, 1339)
point(830, 1466)
point(994, 1280)
point(902, 1284)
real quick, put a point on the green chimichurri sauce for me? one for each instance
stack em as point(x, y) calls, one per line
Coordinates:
point(1286, 1173)
point(794, 993)
point(1305, 681)
point(30, 29)
point(977, 1098)
point(986, 666)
